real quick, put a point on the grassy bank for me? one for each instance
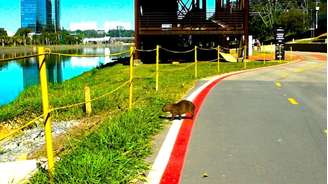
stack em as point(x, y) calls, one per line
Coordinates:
point(32, 48)
point(115, 152)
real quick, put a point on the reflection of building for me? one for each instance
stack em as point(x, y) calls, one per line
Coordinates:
point(55, 72)
point(31, 71)
point(38, 14)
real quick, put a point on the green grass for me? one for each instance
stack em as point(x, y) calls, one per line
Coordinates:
point(115, 152)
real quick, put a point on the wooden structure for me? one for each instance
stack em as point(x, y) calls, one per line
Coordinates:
point(182, 24)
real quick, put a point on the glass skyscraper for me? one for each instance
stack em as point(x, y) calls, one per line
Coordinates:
point(28, 14)
point(38, 14)
point(56, 15)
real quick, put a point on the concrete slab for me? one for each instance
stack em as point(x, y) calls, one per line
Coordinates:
point(15, 172)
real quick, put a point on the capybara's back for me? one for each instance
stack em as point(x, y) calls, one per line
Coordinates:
point(185, 106)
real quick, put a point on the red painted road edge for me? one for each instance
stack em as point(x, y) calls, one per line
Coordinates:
point(172, 173)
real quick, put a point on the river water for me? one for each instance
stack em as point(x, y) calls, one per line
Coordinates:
point(17, 75)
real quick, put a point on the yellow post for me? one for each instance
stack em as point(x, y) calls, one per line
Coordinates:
point(157, 66)
point(196, 62)
point(218, 59)
point(245, 60)
point(87, 99)
point(131, 77)
point(291, 53)
point(264, 59)
point(46, 111)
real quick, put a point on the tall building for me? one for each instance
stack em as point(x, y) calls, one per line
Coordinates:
point(39, 14)
point(57, 15)
point(49, 13)
point(29, 14)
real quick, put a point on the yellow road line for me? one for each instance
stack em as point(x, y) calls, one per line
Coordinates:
point(278, 84)
point(292, 101)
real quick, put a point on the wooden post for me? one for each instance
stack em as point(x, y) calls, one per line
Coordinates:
point(46, 110)
point(87, 99)
point(157, 67)
point(196, 63)
point(131, 77)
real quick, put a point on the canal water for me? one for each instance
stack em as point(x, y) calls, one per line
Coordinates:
point(17, 75)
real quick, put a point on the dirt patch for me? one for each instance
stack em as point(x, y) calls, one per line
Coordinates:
point(62, 143)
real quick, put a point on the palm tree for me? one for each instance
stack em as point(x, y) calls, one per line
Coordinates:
point(3, 36)
point(23, 34)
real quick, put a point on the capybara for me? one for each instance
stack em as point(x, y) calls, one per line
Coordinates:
point(179, 108)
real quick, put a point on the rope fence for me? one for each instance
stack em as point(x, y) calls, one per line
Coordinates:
point(19, 57)
point(207, 49)
point(149, 50)
point(177, 52)
point(14, 132)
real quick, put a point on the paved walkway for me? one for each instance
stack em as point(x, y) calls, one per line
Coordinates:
point(263, 127)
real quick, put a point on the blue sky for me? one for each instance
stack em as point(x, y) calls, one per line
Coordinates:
point(100, 14)
point(84, 12)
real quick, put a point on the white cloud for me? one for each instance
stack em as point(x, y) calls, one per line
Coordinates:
point(9, 33)
point(114, 24)
point(73, 26)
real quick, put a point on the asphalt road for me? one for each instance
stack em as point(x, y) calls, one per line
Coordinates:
point(263, 127)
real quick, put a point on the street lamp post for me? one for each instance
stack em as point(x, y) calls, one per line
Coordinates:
point(312, 28)
point(317, 8)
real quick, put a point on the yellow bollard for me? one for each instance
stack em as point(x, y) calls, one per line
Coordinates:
point(46, 111)
point(264, 59)
point(245, 60)
point(218, 59)
point(157, 66)
point(131, 77)
point(291, 53)
point(87, 99)
point(196, 63)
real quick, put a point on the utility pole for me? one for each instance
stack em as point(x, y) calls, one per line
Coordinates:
point(312, 28)
point(317, 8)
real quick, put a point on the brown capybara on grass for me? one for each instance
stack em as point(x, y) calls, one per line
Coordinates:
point(179, 108)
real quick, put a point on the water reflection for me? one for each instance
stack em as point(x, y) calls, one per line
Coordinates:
point(17, 75)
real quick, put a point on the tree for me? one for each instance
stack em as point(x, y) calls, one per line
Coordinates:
point(3, 32)
point(22, 34)
point(268, 15)
point(294, 21)
point(3, 36)
point(120, 33)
